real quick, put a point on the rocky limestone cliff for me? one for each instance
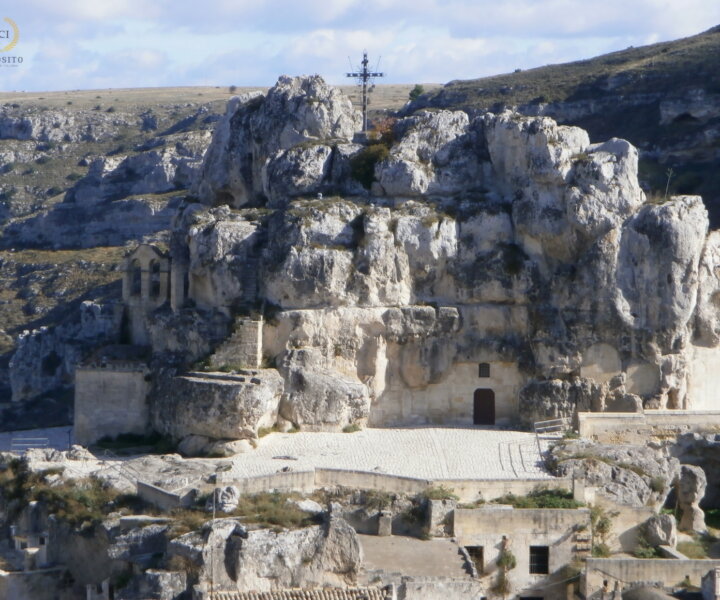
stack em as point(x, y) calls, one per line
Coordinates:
point(500, 239)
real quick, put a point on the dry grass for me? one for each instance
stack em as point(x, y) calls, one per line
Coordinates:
point(383, 97)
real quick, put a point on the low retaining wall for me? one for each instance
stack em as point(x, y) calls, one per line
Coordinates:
point(290, 481)
point(468, 490)
point(630, 571)
point(164, 499)
point(655, 422)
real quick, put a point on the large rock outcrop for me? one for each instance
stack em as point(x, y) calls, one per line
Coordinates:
point(218, 406)
point(263, 560)
point(280, 145)
point(626, 474)
point(500, 239)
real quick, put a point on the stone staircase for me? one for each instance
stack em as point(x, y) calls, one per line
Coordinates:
point(582, 545)
point(243, 348)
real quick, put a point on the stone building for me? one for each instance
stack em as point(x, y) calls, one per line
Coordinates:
point(111, 394)
point(146, 287)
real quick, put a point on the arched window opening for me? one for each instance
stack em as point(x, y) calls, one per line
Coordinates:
point(135, 278)
point(154, 279)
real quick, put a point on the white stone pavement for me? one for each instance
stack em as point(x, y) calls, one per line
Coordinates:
point(421, 452)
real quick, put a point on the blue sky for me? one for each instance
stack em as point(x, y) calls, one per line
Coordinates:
point(89, 44)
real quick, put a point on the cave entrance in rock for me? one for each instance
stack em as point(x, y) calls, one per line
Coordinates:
point(484, 407)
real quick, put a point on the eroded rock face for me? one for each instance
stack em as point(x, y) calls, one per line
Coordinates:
point(500, 240)
point(626, 474)
point(691, 489)
point(264, 560)
point(538, 242)
point(278, 146)
point(436, 154)
point(168, 168)
point(231, 407)
point(45, 359)
point(316, 397)
point(661, 530)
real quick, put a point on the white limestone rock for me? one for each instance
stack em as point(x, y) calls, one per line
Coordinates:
point(657, 273)
point(223, 499)
point(265, 560)
point(434, 155)
point(263, 137)
point(629, 475)
point(604, 190)
point(707, 313)
point(217, 406)
point(661, 530)
point(317, 398)
point(168, 168)
point(692, 484)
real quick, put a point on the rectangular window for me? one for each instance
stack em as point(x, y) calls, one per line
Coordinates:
point(484, 370)
point(477, 556)
point(539, 560)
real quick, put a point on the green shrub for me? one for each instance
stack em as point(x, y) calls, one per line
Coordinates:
point(362, 165)
point(377, 500)
point(657, 484)
point(692, 549)
point(541, 498)
point(601, 550)
point(644, 550)
point(352, 428)
point(506, 561)
point(440, 492)
point(416, 92)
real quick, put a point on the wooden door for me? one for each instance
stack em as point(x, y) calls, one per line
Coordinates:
point(484, 407)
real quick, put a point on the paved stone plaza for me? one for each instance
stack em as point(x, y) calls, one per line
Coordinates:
point(422, 452)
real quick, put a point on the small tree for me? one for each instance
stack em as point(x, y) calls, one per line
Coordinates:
point(505, 562)
point(601, 526)
point(416, 92)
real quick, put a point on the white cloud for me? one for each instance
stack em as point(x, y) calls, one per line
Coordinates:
point(79, 43)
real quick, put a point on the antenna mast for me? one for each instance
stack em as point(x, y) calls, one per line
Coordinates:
point(364, 76)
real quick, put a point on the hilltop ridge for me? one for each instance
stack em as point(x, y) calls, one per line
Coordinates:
point(664, 98)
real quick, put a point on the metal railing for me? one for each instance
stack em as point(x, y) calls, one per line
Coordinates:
point(23, 444)
point(551, 426)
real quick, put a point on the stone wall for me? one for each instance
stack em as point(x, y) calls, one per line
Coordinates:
point(109, 401)
point(638, 571)
point(468, 490)
point(704, 380)
point(163, 498)
point(555, 528)
point(627, 521)
point(614, 427)
point(449, 401)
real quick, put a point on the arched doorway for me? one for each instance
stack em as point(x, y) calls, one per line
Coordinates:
point(484, 407)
